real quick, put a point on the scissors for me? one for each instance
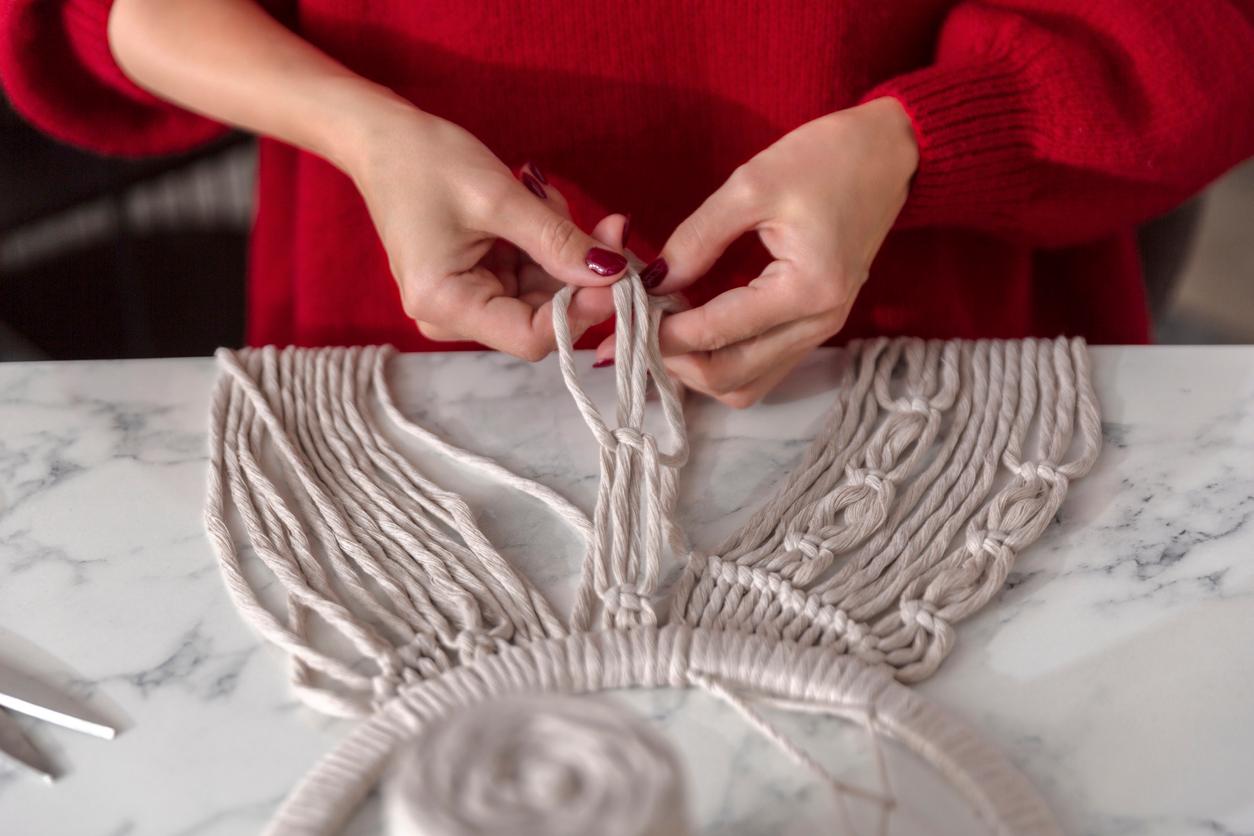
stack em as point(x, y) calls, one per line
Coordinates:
point(21, 692)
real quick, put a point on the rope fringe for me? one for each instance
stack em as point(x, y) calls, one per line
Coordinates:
point(936, 466)
point(938, 463)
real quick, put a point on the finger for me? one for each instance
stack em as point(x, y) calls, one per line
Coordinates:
point(435, 333)
point(604, 354)
point(738, 314)
point(698, 242)
point(502, 260)
point(531, 176)
point(535, 283)
point(729, 369)
point(686, 372)
point(474, 305)
point(553, 240)
point(588, 307)
point(612, 231)
point(593, 305)
point(753, 392)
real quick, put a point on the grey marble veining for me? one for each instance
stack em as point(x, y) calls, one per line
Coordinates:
point(1117, 667)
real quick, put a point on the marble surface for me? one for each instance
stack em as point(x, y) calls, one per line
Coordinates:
point(1117, 668)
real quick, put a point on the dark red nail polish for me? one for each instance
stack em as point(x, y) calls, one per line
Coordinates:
point(604, 262)
point(535, 169)
point(626, 230)
point(652, 275)
point(534, 184)
point(600, 364)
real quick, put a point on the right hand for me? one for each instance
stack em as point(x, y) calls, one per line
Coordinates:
point(478, 255)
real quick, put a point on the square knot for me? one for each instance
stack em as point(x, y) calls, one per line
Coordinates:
point(809, 545)
point(914, 404)
point(855, 633)
point(629, 437)
point(921, 613)
point(624, 597)
point(419, 654)
point(985, 540)
point(837, 619)
point(1039, 471)
point(874, 479)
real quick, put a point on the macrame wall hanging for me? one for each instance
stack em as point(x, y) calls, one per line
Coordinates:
point(937, 464)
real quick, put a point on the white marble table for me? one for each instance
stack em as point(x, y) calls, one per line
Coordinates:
point(1117, 669)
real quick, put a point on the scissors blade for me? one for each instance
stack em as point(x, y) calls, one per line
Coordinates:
point(21, 692)
point(14, 744)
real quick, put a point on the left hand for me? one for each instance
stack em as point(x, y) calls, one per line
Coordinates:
point(821, 199)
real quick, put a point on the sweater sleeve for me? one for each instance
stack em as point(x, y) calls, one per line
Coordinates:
point(58, 72)
point(1060, 121)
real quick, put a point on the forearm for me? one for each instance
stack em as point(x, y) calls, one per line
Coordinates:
point(1060, 121)
point(231, 61)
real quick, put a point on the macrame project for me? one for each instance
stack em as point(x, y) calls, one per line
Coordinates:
point(937, 464)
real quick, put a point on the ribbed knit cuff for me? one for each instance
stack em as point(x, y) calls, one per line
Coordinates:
point(972, 122)
point(58, 72)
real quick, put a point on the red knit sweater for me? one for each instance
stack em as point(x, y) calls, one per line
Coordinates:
point(1047, 128)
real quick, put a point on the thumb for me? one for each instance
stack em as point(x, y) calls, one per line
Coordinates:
point(554, 241)
point(593, 305)
point(703, 236)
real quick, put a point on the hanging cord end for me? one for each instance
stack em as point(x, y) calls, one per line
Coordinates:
point(639, 483)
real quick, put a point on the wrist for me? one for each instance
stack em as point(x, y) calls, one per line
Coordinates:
point(353, 115)
point(894, 133)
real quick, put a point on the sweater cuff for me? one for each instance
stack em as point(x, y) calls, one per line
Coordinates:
point(975, 142)
point(59, 73)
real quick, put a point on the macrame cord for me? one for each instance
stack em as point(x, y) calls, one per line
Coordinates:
point(936, 465)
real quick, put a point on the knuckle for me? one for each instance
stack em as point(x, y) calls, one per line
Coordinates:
point(740, 399)
point(698, 377)
point(434, 332)
point(746, 184)
point(690, 236)
point(715, 380)
point(484, 199)
point(412, 300)
point(711, 338)
point(559, 232)
point(533, 351)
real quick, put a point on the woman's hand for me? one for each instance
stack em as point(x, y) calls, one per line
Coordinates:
point(452, 217)
point(477, 252)
point(822, 199)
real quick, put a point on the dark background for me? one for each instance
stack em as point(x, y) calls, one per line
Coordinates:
point(103, 258)
point(111, 258)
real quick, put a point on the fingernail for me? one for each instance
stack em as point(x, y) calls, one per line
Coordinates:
point(535, 169)
point(534, 184)
point(600, 364)
point(654, 273)
point(626, 229)
point(604, 262)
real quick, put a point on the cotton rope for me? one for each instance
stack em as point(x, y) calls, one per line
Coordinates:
point(532, 766)
point(938, 463)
